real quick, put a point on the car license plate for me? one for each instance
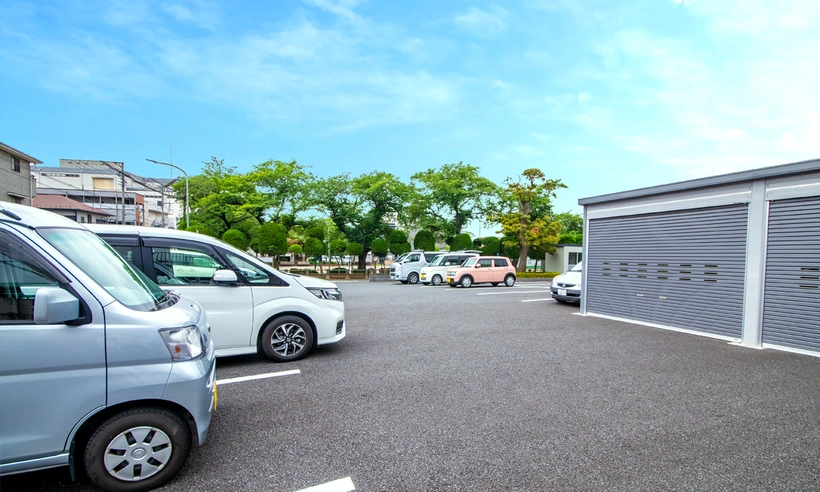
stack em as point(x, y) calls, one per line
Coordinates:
point(449, 280)
point(562, 292)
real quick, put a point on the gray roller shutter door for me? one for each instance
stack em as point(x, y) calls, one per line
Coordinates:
point(791, 302)
point(683, 269)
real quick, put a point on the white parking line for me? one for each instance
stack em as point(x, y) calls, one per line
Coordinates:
point(341, 485)
point(258, 376)
point(536, 300)
point(513, 292)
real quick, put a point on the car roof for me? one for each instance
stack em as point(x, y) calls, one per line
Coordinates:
point(33, 217)
point(158, 232)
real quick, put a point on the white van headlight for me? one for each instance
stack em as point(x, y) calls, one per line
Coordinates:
point(324, 293)
point(183, 343)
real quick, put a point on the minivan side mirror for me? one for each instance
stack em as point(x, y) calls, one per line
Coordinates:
point(224, 277)
point(54, 305)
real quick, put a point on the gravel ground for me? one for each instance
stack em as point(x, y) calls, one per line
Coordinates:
point(439, 388)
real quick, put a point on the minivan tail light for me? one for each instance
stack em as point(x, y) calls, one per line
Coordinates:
point(183, 343)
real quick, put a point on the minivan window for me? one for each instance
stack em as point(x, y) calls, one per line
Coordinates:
point(253, 273)
point(184, 265)
point(470, 262)
point(22, 273)
point(95, 257)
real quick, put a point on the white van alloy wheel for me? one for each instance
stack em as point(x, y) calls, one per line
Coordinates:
point(138, 453)
point(436, 280)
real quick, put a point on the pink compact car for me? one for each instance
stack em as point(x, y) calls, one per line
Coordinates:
point(482, 270)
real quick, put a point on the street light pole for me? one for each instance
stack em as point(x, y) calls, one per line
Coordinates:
point(187, 211)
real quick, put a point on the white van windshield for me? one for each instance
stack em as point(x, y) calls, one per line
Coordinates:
point(438, 260)
point(577, 268)
point(96, 258)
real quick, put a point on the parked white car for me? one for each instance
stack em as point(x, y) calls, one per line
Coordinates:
point(566, 287)
point(436, 272)
point(251, 306)
point(406, 268)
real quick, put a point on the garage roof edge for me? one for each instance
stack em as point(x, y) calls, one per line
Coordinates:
point(751, 175)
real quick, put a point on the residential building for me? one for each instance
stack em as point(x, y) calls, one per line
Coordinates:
point(72, 209)
point(106, 185)
point(16, 182)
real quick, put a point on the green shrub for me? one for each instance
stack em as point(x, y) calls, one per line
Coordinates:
point(537, 274)
point(235, 238)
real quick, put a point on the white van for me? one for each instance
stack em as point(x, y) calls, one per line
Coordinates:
point(99, 367)
point(436, 272)
point(252, 307)
point(406, 269)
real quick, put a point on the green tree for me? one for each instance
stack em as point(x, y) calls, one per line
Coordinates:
point(570, 222)
point(217, 196)
point(527, 201)
point(491, 246)
point(354, 249)
point(235, 238)
point(272, 240)
point(360, 206)
point(296, 252)
point(461, 242)
point(510, 247)
point(284, 190)
point(425, 241)
point(337, 249)
point(316, 248)
point(448, 198)
point(379, 247)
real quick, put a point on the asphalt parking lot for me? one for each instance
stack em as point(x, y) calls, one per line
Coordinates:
point(494, 388)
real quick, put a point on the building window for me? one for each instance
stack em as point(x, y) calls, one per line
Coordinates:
point(16, 199)
point(103, 183)
point(575, 258)
point(15, 164)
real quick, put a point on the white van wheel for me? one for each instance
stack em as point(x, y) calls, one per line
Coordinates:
point(287, 338)
point(436, 280)
point(413, 278)
point(138, 449)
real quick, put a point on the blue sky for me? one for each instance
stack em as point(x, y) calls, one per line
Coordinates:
point(607, 96)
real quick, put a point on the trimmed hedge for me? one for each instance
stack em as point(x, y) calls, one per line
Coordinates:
point(537, 274)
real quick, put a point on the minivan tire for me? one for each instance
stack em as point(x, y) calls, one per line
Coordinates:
point(436, 280)
point(286, 333)
point(509, 280)
point(413, 278)
point(159, 426)
point(466, 281)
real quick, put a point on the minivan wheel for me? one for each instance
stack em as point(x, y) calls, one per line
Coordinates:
point(413, 278)
point(509, 280)
point(287, 338)
point(436, 280)
point(137, 450)
point(466, 281)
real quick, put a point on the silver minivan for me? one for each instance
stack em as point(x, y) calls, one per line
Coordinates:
point(99, 367)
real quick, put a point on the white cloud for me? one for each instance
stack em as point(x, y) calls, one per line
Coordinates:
point(342, 8)
point(202, 13)
point(482, 23)
point(584, 97)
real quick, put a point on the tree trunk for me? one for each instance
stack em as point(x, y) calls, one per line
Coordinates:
point(522, 258)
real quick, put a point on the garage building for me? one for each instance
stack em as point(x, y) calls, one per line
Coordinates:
point(735, 257)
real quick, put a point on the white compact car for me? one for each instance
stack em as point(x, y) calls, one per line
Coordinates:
point(436, 272)
point(566, 287)
point(251, 306)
